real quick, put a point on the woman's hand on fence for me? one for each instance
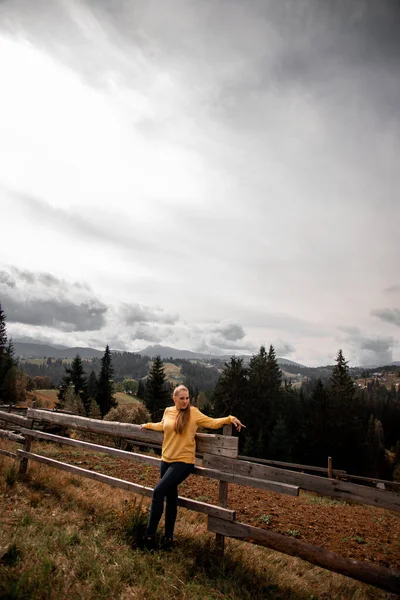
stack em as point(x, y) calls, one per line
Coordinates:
point(238, 424)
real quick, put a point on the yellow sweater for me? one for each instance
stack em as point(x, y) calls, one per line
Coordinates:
point(182, 447)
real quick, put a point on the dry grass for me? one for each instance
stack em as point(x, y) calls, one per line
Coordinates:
point(173, 373)
point(65, 537)
point(123, 398)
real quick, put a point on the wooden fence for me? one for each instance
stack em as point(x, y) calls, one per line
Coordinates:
point(220, 462)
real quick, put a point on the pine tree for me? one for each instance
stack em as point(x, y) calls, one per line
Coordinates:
point(375, 447)
point(341, 382)
point(265, 382)
point(141, 390)
point(94, 410)
point(73, 402)
point(346, 430)
point(105, 384)
point(280, 443)
point(92, 385)
point(3, 350)
point(274, 377)
point(75, 376)
point(232, 390)
point(9, 374)
point(78, 377)
point(259, 410)
point(158, 390)
point(3, 334)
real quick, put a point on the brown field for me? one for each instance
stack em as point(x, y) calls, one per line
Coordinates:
point(123, 398)
point(172, 372)
point(48, 398)
point(63, 537)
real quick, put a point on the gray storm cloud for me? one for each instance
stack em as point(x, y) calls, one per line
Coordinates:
point(7, 280)
point(393, 289)
point(283, 349)
point(61, 314)
point(38, 298)
point(14, 277)
point(229, 331)
point(377, 351)
point(133, 314)
point(389, 315)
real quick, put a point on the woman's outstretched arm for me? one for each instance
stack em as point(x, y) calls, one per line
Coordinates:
point(154, 426)
point(203, 420)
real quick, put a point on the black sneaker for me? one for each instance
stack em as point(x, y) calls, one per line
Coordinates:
point(148, 543)
point(167, 543)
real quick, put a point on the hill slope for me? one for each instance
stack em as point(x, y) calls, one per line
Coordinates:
point(33, 350)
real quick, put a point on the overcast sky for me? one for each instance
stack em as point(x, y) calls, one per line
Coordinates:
point(209, 175)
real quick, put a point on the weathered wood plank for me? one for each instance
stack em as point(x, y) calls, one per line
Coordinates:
point(272, 486)
point(17, 410)
point(277, 463)
point(14, 437)
point(16, 419)
point(217, 444)
point(372, 480)
point(211, 443)
point(329, 487)
point(384, 578)
point(58, 439)
point(262, 484)
point(8, 453)
point(195, 505)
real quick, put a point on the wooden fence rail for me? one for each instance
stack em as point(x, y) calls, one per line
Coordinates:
point(277, 463)
point(382, 577)
point(350, 492)
point(220, 461)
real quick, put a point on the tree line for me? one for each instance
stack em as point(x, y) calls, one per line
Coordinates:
point(13, 380)
point(355, 426)
point(89, 396)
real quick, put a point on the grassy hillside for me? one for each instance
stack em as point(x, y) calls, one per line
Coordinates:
point(123, 398)
point(65, 537)
point(48, 398)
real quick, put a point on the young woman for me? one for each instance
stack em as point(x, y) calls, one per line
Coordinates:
point(179, 424)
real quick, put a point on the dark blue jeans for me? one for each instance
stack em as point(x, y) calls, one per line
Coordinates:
point(172, 474)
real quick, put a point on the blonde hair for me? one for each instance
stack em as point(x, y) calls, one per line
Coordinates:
point(183, 416)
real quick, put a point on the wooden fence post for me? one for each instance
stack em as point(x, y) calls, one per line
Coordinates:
point(23, 465)
point(330, 471)
point(223, 498)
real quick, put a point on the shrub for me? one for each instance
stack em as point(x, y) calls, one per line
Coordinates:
point(11, 475)
point(134, 521)
point(134, 413)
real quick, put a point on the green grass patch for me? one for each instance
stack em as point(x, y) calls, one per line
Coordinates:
point(265, 519)
point(324, 500)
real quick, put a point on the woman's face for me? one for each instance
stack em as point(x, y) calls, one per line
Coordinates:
point(181, 399)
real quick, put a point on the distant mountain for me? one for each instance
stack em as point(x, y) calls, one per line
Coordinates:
point(39, 350)
point(30, 340)
point(166, 352)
